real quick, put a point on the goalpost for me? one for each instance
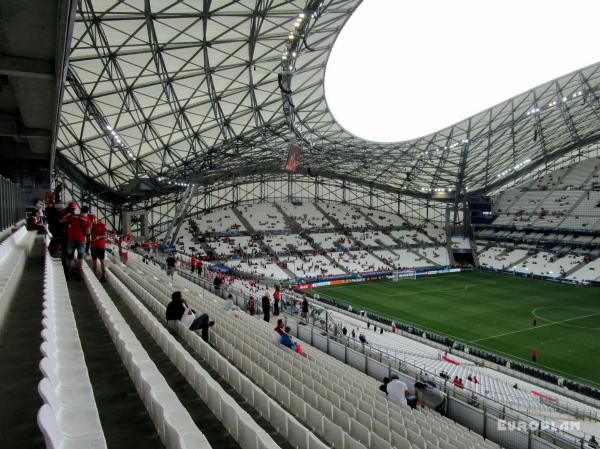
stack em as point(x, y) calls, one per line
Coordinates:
point(403, 275)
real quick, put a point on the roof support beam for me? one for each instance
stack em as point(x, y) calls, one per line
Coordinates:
point(26, 67)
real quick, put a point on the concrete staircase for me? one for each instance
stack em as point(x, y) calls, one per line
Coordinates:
point(575, 268)
point(517, 262)
point(423, 257)
point(332, 219)
point(450, 251)
point(287, 271)
point(331, 259)
point(474, 253)
point(369, 219)
point(293, 225)
point(243, 220)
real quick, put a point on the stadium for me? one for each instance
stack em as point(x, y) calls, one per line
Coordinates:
point(299, 224)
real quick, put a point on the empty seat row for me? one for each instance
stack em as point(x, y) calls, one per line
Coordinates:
point(274, 375)
point(281, 420)
point(13, 255)
point(236, 420)
point(69, 417)
point(173, 422)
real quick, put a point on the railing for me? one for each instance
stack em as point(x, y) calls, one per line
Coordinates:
point(321, 318)
point(12, 203)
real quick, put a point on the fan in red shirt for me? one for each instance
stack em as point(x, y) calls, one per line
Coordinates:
point(79, 231)
point(98, 245)
point(276, 299)
point(193, 262)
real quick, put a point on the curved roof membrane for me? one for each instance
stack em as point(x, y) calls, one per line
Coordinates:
point(402, 70)
point(160, 94)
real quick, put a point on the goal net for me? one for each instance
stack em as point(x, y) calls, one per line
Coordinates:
point(403, 275)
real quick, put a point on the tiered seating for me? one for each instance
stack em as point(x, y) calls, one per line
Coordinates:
point(261, 267)
point(555, 206)
point(263, 217)
point(237, 422)
point(491, 257)
point(460, 243)
point(506, 199)
point(332, 240)
point(235, 419)
point(579, 173)
point(347, 216)
point(589, 272)
point(306, 215)
point(528, 202)
point(548, 264)
point(550, 181)
point(402, 259)
point(186, 242)
point(69, 417)
point(409, 237)
point(438, 255)
point(373, 239)
point(228, 246)
point(335, 401)
point(311, 266)
point(384, 219)
point(220, 221)
point(359, 261)
point(280, 243)
point(501, 262)
point(435, 231)
point(171, 419)
point(586, 215)
point(13, 255)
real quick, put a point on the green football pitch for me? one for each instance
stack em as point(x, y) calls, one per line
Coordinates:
point(494, 312)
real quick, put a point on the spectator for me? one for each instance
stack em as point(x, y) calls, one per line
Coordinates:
point(98, 244)
point(217, 283)
point(278, 331)
point(344, 331)
point(266, 307)
point(228, 303)
point(39, 208)
point(193, 263)
point(475, 379)
point(286, 340)
point(430, 396)
point(305, 309)
point(362, 339)
point(34, 223)
point(178, 310)
point(534, 354)
point(353, 333)
point(383, 387)
point(124, 248)
point(171, 262)
point(251, 305)
point(398, 391)
point(276, 299)
point(79, 229)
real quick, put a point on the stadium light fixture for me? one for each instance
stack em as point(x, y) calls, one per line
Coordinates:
point(388, 99)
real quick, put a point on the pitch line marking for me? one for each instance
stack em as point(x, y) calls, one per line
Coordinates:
point(534, 312)
point(536, 327)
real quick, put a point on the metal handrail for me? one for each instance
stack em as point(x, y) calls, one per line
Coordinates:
point(325, 321)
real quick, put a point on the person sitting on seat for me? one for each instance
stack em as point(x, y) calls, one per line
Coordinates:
point(286, 340)
point(278, 331)
point(179, 310)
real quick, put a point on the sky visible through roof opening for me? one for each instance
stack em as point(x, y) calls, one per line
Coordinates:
point(404, 69)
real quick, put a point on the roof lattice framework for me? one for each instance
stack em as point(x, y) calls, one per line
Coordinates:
point(198, 90)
